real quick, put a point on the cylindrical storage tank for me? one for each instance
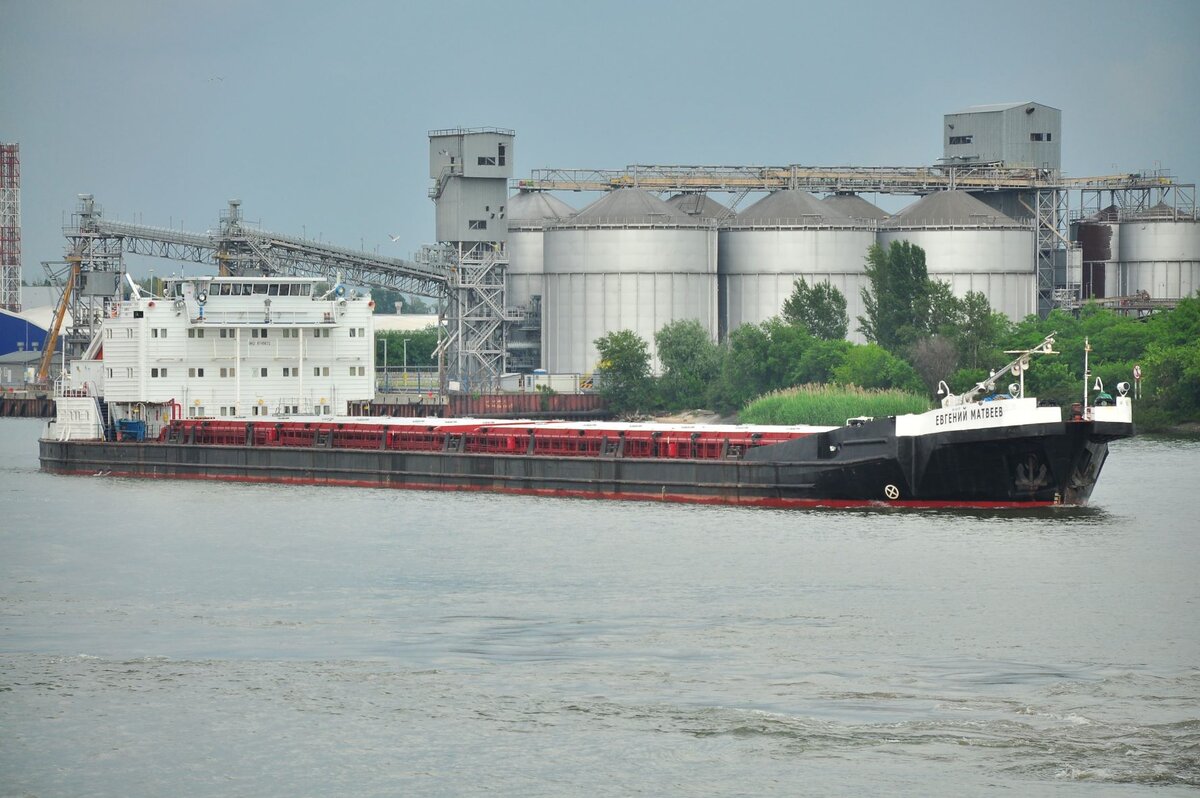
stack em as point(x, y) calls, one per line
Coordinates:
point(627, 261)
point(973, 247)
point(785, 236)
point(701, 206)
point(528, 214)
point(855, 207)
point(1160, 253)
point(1099, 238)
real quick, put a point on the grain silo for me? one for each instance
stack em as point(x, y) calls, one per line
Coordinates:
point(627, 261)
point(1160, 253)
point(701, 206)
point(855, 207)
point(973, 247)
point(784, 236)
point(528, 214)
point(1099, 238)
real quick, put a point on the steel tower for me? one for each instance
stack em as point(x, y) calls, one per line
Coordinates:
point(470, 169)
point(10, 227)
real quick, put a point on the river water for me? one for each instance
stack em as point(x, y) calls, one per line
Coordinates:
point(179, 638)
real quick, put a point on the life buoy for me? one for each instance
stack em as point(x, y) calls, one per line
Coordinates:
point(114, 312)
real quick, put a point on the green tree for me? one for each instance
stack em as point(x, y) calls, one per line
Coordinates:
point(936, 309)
point(690, 363)
point(1171, 367)
point(820, 361)
point(421, 345)
point(624, 371)
point(385, 300)
point(872, 366)
point(934, 358)
point(978, 333)
point(745, 371)
point(820, 309)
point(901, 303)
point(785, 352)
point(760, 358)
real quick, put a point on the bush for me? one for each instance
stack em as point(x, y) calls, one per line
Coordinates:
point(872, 366)
point(827, 405)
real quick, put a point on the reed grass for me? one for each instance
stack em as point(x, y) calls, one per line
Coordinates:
point(830, 405)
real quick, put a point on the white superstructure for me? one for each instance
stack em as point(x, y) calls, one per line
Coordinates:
point(229, 347)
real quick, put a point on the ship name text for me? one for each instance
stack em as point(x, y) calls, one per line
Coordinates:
point(973, 413)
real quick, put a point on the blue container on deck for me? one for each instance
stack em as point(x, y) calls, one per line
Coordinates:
point(129, 429)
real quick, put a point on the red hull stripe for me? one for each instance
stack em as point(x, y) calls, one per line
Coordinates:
point(757, 501)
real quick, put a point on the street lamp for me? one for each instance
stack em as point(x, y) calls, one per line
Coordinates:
point(386, 384)
point(406, 340)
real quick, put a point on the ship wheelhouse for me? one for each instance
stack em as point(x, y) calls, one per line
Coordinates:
point(230, 347)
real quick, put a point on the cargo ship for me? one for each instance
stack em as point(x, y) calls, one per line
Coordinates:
point(979, 449)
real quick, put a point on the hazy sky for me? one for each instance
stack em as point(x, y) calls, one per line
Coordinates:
point(315, 114)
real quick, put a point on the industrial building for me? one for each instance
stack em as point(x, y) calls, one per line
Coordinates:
point(1014, 134)
point(995, 216)
point(627, 261)
point(972, 247)
point(529, 212)
point(785, 236)
point(528, 283)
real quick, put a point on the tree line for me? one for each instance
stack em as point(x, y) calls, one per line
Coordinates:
point(918, 334)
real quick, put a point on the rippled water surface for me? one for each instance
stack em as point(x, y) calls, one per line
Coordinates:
point(176, 638)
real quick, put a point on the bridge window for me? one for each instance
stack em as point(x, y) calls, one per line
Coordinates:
point(962, 139)
point(477, 224)
point(486, 160)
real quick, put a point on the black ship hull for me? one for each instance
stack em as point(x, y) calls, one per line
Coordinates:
point(865, 465)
